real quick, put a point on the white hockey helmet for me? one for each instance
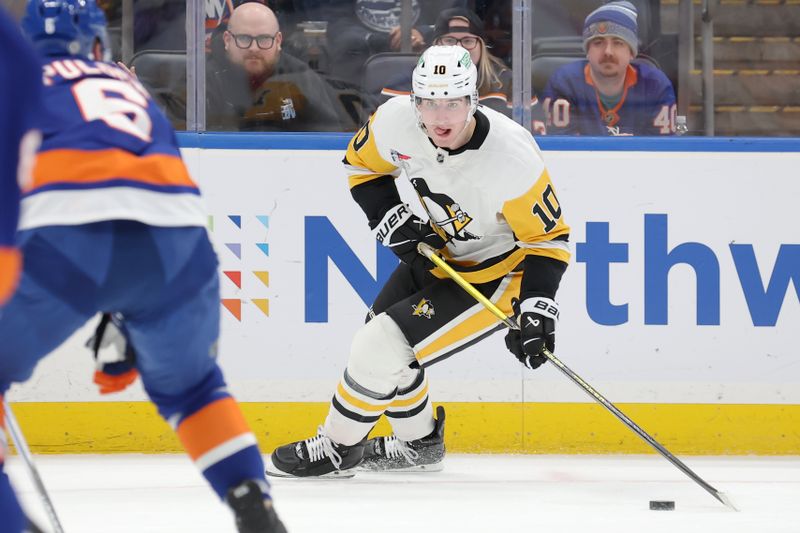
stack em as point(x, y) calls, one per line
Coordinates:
point(445, 72)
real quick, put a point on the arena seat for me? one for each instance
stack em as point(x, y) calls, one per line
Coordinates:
point(387, 70)
point(163, 73)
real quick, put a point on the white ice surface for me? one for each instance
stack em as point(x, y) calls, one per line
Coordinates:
point(475, 493)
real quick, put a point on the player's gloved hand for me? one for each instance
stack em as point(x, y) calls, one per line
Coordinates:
point(114, 357)
point(537, 319)
point(401, 230)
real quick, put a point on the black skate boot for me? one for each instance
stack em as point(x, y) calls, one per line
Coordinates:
point(315, 457)
point(253, 513)
point(384, 454)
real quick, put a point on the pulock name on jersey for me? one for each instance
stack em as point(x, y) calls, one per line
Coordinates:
point(70, 69)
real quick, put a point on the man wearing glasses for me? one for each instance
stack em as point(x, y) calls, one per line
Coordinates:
point(255, 86)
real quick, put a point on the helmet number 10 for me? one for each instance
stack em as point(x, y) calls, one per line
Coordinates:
point(439, 69)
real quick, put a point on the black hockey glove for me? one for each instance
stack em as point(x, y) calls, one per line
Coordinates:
point(537, 319)
point(114, 357)
point(401, 230)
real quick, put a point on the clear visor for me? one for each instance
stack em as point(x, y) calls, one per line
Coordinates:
point(451, 107)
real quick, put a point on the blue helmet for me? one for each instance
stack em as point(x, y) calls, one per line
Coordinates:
point(60, 27)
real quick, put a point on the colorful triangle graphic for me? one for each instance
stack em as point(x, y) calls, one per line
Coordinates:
point(262, 275)
point(264, 219)
point(264, 247)
point(263, 304)
point(235, 247)
point(236, 219)
point(235, 276)
point(234, 305)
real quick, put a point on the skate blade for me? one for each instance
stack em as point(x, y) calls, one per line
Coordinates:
point(272, 471)
point(436, 467)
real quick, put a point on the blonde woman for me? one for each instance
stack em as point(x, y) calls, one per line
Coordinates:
point(460, 26)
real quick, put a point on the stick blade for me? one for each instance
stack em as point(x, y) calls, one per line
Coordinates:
point(725, 499)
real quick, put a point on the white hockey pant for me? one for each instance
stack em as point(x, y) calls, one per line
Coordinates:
point(378, 380)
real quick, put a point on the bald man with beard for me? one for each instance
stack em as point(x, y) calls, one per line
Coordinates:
point(254, 86)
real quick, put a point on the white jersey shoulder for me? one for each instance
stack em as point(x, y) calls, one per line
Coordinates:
point(513, 152)
point(395, 127)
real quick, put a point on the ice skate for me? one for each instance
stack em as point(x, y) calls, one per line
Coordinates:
point(385, 454)
point(253, 513)
point(315, 457)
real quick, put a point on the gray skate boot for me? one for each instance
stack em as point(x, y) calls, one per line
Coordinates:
point(315, 457)
point(384, 454)
point(253, 513)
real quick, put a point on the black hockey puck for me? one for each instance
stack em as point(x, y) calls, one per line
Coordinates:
point(662, 505)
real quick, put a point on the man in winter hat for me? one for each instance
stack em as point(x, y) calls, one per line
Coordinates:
point(608, 93)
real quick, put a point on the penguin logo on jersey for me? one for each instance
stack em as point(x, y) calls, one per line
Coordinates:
point(424, 309)
point(446, 214)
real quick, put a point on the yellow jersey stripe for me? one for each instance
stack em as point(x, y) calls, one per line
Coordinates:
point(503, 267)
point(364, 158)
point(480, 321)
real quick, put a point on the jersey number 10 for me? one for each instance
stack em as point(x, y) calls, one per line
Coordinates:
point(546, 211)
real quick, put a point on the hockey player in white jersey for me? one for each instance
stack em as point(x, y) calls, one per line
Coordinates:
point(494, 216)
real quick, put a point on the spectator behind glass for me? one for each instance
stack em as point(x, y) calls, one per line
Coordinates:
point(367, 27)
point(463, 27)
point(607, 94)
point(158, 25)
point(460, 26)
point(253, 86)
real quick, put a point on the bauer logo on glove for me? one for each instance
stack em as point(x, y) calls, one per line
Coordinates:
point(546, 307)
point(393, 218)
point(401, 231)
point(537, 322)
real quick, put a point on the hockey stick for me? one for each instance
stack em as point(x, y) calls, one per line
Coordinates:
point(25, 452)
point(431, 254)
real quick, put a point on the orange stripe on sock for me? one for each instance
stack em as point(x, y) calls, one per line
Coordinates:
point(214, 424)
point(10, 266)
point(96, 166)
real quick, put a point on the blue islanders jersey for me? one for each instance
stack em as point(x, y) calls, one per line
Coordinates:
point(573, 105)
point(107, 153)
point(20, 88)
